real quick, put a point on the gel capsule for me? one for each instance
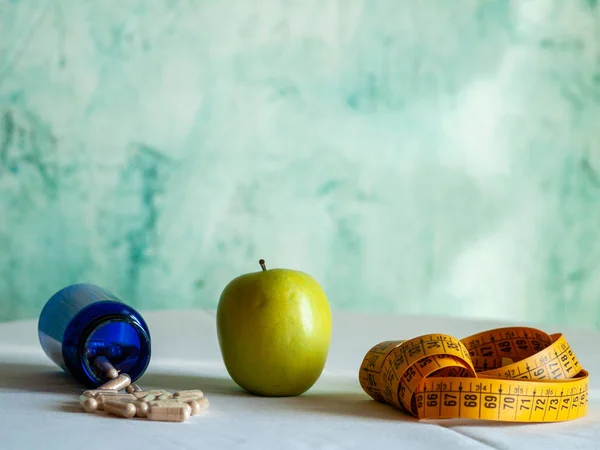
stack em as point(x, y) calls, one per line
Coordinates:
point(172, 413)
point(122, 409)
point(89, 404)
point(113, 396)
point(157, 392)
point(195, 407)
point(167, 402)
point(190, 393)
point(197, 404)
point(203, 405)
point(96, 392)
point(133, 388)
point(142, 409)
point(107, 369)
point(121, 382)
point(187, 398)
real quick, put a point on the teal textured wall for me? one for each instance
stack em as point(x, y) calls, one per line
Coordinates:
point(422, 157)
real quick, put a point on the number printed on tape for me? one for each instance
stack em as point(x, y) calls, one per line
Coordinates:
point(513, 374)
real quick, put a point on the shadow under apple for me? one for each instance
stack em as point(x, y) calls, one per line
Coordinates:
point(355, 404)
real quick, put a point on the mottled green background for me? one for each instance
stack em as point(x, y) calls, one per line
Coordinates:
point(414, 156)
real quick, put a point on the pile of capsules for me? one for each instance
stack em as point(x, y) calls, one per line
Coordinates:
point(156, 405)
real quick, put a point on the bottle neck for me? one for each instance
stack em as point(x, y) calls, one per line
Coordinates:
point(110, 329)
point(121, 340)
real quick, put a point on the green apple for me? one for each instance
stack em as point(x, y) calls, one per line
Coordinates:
point(274, 331)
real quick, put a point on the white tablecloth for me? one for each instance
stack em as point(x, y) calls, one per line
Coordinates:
point(39, 407)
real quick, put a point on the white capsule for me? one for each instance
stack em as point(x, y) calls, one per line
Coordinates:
point(167, 402)
point(188, 399)
point(203, 405)
point(96, 392)
point(191, 393)
point(139, 394)
point(102, 399)
point(106, 367)
point(177, 412)
point(197, 405)
point(148, 394)
point(133, 388)
point(121, 382)
point(89, 404)
point(122, 409)
point(141, 409)
point(157, 392)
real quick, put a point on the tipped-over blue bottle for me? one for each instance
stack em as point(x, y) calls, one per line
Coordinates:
point(82, 322)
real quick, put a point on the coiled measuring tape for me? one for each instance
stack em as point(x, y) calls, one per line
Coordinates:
point(514, 374)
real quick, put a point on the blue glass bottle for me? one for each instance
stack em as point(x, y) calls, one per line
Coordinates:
point(84, 321)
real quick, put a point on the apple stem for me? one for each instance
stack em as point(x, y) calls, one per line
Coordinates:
point(262, 264)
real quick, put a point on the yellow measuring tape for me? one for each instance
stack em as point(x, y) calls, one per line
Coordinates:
point(514, 374)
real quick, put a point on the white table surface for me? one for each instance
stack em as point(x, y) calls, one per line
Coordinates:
point(39, 407)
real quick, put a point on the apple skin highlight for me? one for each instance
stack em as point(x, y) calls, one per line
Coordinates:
point(274, 331)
